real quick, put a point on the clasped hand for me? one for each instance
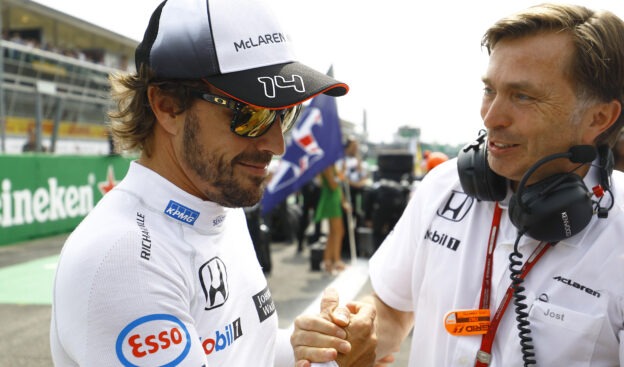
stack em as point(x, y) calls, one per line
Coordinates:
point(344, 334)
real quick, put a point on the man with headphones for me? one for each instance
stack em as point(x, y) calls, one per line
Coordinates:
point(513, 254)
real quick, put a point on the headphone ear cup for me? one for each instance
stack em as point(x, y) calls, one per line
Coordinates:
point(476, 177)
point(552, 214)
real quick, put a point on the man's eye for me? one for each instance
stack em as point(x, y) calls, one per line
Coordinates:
point(523, 97)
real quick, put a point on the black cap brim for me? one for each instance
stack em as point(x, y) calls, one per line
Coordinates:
point(277, 86)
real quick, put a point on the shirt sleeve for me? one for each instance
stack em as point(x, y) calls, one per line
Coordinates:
point(136, 313)
point(394, 268)
point(390, 266)
point(284, 355)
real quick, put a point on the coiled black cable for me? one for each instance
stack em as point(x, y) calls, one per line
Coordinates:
point(526, 342)
point(603, 212)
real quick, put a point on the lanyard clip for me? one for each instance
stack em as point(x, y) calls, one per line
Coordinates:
point(484, 357)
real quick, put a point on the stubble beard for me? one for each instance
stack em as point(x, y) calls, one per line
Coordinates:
point(225, 188)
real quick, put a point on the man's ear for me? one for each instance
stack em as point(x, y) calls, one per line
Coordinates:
point(165, 109)
point(603, 115)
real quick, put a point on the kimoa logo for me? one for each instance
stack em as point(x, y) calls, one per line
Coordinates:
point(44, 204)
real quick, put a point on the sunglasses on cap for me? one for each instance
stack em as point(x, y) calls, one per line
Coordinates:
point(250, 121)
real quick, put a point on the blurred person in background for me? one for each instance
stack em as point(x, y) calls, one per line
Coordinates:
point(354, 168)
point(309, 196)
point(330, 207)
point(434, 159)
point(31, 141)
point(355, 172)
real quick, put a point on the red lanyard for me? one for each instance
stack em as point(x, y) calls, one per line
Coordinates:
point(484, 355)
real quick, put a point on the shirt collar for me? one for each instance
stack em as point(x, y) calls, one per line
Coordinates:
point(171, 201)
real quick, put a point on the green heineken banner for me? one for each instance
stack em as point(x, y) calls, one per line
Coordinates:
point(41, 194)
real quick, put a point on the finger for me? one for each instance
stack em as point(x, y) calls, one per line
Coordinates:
point(387, 359)
point(329, 302)
point(306, 324)
point(315, 338)
point(317, 355)
point(302, 363)
point(341, 316)
point(306, 339)
point(362, 310)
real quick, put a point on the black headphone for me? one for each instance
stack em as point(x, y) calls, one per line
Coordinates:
point(550, 210)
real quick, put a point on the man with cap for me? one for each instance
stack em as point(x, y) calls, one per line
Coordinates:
point(163, 272)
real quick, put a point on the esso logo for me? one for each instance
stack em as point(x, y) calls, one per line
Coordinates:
point(155, 340)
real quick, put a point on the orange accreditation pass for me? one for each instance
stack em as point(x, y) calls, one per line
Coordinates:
point(467, 322)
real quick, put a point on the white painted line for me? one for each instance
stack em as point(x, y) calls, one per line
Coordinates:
point(348, 284)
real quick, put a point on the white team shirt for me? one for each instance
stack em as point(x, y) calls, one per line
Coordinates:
point(433, 263)
point(154, 276)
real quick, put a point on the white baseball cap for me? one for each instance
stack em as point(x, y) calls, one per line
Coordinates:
point(236, 45)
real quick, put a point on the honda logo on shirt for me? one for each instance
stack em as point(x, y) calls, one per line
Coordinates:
point(271, 84)
point(213, 278)
point(456, 207)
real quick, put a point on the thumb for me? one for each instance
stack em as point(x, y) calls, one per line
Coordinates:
point(330, 309)
point(329, 302)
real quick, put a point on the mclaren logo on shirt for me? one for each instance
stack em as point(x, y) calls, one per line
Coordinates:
point(576, 285)
point(456, 207)
point(214, 282)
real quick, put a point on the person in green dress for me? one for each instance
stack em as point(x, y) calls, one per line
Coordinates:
point(330, 207)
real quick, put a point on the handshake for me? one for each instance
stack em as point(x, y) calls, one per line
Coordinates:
point(344, 334)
